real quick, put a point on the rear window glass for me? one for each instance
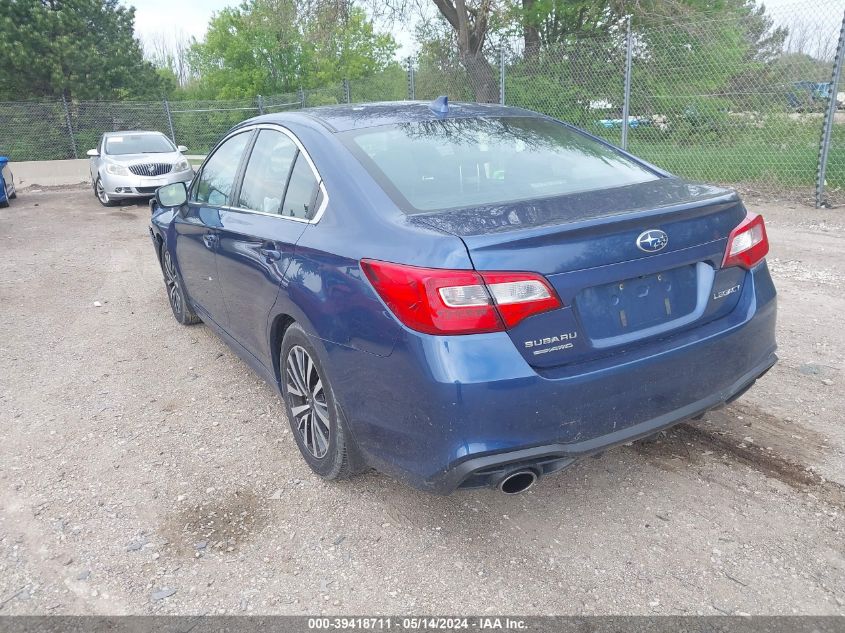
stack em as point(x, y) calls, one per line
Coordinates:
point(464, 162)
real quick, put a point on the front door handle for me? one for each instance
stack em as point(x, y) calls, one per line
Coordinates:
point(270, 254)
point(210, 240)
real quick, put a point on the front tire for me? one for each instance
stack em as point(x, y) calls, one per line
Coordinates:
point(313, 414)
point(182, 310)
point(102, 196)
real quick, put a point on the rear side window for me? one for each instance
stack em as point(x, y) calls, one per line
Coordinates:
point(215, 182)
point(300, 199)
point(267, 172)
point(443, 164)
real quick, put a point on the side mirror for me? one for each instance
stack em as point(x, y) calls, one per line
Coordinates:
point(173, 195)
point(182, 148)
point(92, 153)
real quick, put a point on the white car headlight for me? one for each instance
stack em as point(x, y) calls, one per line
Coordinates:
point(182, 165)
point(116, 170)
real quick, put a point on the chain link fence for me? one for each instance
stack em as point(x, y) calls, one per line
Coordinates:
point(830, 180)
point(727, 100)
point(694, 100)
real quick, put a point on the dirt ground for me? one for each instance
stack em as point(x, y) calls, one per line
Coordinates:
point(144, 469)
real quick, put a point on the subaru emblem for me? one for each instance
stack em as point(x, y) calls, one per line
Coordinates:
point(652, 241)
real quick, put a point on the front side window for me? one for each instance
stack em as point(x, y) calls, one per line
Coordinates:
point(448, 163)
point(302, 191)
point(267, 172)
point(217, 178)
point(138, 144)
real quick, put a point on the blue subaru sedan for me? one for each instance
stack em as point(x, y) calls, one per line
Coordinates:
point(465, 295)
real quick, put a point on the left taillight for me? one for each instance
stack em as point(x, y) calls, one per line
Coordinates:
point(520, 295)
point(747, 243)
point(443, 301)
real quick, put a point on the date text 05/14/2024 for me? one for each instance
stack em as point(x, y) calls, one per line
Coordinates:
point(415, 623)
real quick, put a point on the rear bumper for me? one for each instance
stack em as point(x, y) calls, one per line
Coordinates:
point(447, 412)
point(488, 470)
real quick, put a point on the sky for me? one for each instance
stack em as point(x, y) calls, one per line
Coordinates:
point(167, 16)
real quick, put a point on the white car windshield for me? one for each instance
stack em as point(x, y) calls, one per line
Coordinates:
point(138, 144)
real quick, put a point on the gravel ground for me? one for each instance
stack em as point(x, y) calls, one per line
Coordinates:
point(144, 469)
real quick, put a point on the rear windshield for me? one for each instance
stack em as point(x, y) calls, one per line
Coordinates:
point(138, 144)
point(465, 162)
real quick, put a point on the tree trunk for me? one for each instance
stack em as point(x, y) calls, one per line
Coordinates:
point(470, 26)
point(482, 77)
point(530, 32)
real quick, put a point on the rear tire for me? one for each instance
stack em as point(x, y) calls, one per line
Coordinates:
point(315, 419)
point(182, 310)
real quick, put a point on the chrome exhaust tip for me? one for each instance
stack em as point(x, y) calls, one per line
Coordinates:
point(518, 481)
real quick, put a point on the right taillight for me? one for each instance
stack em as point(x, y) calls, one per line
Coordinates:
point(747, 243)
point(443, 301)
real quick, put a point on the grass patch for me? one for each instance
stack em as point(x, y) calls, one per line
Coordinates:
point(780, 154)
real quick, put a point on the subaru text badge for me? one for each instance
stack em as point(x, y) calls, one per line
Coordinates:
point(652, 241)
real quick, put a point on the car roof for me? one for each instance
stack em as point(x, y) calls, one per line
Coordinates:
point(342, 118)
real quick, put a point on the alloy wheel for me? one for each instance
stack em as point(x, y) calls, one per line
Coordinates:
point(308, 401)
point(102, 196)
point(172, 283)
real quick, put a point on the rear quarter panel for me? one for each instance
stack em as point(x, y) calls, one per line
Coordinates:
point(324, 288)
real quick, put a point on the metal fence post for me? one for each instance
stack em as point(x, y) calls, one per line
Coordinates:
point(169, 120)
point(301, 94)
point(502, 76)
point(260, 104)
point(824, 146)
point(346, 92)
point(69, 127)
point(626, 103)
point(412, 89)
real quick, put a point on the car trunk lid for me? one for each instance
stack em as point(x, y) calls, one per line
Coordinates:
point(615, 292)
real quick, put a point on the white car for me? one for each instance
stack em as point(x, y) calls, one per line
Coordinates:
point(135, 164)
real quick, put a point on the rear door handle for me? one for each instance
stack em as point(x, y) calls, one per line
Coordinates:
point(210, 240)
point(270, 254)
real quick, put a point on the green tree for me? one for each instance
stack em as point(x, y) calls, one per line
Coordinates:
point(545, 22)
point(242, 54)
point(277, 46)
point(700, 68)
point(352, 51)
point(79, 49)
